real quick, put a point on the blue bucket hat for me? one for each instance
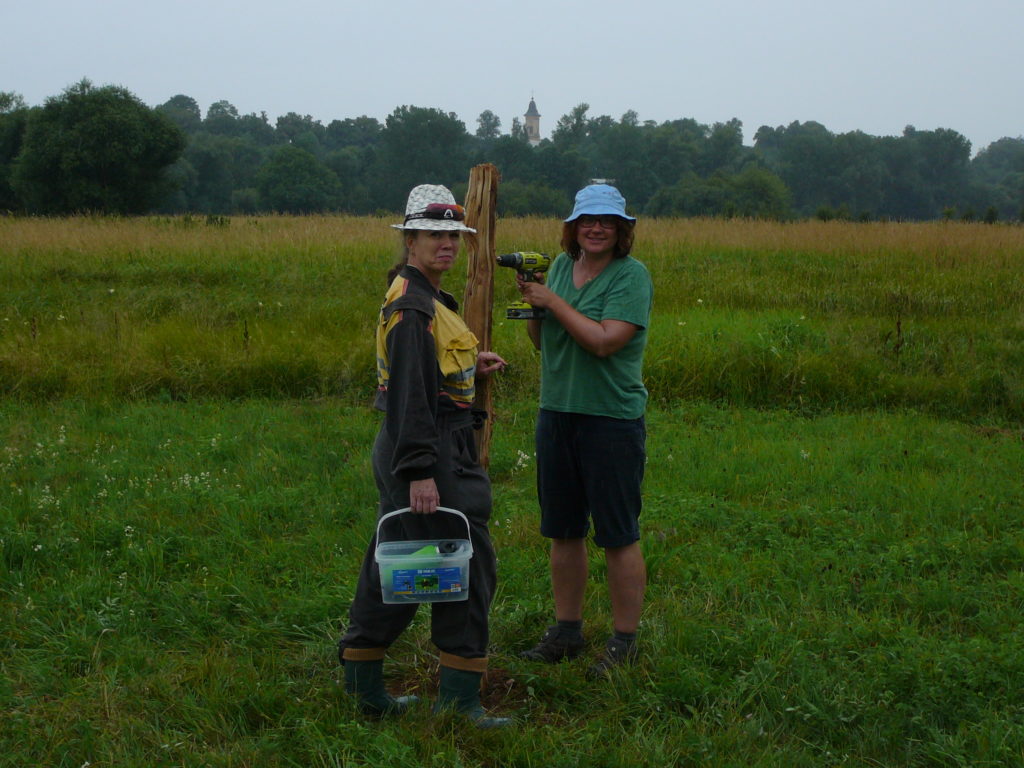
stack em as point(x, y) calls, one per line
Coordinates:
point(600, 200)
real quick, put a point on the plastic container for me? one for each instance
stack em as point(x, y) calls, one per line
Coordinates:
point(424, 570)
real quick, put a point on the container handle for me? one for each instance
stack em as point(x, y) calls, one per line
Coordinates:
point(380, 522)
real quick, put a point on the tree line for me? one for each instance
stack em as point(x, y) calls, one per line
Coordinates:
point(100, 149)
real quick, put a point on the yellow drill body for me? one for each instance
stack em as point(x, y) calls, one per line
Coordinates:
point(527, 264)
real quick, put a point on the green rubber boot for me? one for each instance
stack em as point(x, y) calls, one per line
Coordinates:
point(460, 690)
point(365, 679)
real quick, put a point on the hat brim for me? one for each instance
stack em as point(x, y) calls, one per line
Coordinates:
point(599, 210)
point(434, 225)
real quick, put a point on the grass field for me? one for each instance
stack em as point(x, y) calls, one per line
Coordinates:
point(833, 505)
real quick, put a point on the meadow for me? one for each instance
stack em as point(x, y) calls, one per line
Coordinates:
point(833, 505)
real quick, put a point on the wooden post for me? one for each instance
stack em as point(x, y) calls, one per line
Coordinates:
point(481, 203)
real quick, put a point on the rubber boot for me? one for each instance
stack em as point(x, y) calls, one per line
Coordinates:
point(365, 679)
point(460, 690)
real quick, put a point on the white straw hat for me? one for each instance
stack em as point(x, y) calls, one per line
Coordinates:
point(433, 206)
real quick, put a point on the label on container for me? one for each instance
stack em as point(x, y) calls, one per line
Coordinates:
point(426, 581)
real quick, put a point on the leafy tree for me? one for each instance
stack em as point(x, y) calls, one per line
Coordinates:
point(518, 130)
point(302, 131)
point(515, 158)
point(222, 119)
point(256, 129)
point(352, 132)
point(692, 195)
point(520, 199)
point(571, 129)
point(623, 155)
point(567, 171)
point(944, 159)
point(488, 126)
point(674, 149)
point(351, 165)
point(11, 102)
point(905, 195)
point(758, 193)
point(804, 156)
point(998, 174)
point(1000, 158)
point(13, 119)
point(754, 193)
point(95, 149)
point(862, 174)
point(723, 149)
point(212, 182)
point(181, 179)
point(419, 146)
point(294, 181)
point(184, 112)
point(245, 200)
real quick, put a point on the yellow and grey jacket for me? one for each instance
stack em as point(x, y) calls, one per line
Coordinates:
point(426, 364)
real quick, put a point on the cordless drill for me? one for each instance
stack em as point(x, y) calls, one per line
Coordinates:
point(526, 263)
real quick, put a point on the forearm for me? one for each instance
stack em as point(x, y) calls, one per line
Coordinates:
point(533, 330)
point(599, 339)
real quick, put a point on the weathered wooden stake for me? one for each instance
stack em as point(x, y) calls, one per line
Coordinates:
point(481, 202)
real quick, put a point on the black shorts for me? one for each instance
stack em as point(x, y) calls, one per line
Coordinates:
point(590, 468)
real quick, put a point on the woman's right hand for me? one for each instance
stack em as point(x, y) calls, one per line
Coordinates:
point(536, 294)
point(423, 496)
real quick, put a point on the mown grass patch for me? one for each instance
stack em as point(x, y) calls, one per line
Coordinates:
point(835, 589)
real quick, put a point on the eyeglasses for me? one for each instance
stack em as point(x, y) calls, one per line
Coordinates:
point(606, 222)
point(443, 211)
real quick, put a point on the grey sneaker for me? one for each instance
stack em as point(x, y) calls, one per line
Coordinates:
point(616, 654)
point(554, 647)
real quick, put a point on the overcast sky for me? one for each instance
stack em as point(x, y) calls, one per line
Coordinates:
point(870, 65)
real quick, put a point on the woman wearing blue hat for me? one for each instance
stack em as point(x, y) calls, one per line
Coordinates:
point(590, 429)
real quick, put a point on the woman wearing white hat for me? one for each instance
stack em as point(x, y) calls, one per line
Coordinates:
point(591, 434)
point(425, 457)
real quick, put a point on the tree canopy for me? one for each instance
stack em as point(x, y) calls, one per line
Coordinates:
point(95, 149)
point(102, 149)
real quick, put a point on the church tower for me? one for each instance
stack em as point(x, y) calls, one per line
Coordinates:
point(532, 123)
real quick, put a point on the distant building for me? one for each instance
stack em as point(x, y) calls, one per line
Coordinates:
point(532, 123)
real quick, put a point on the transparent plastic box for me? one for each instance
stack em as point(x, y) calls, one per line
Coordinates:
point(423, 570)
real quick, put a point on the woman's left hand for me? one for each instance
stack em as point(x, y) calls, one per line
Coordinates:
point(488, 362)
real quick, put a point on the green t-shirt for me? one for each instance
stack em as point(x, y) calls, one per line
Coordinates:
point(576, 381)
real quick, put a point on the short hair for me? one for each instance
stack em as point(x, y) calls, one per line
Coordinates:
point(623, 241)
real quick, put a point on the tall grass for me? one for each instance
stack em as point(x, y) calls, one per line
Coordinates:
point(808, 315)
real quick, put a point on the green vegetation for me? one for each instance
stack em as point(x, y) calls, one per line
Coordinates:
point(815, 315)
point(832, 525)
point(244, 164)
point(95, 149)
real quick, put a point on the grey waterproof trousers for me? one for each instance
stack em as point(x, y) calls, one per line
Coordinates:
point(459, 627)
